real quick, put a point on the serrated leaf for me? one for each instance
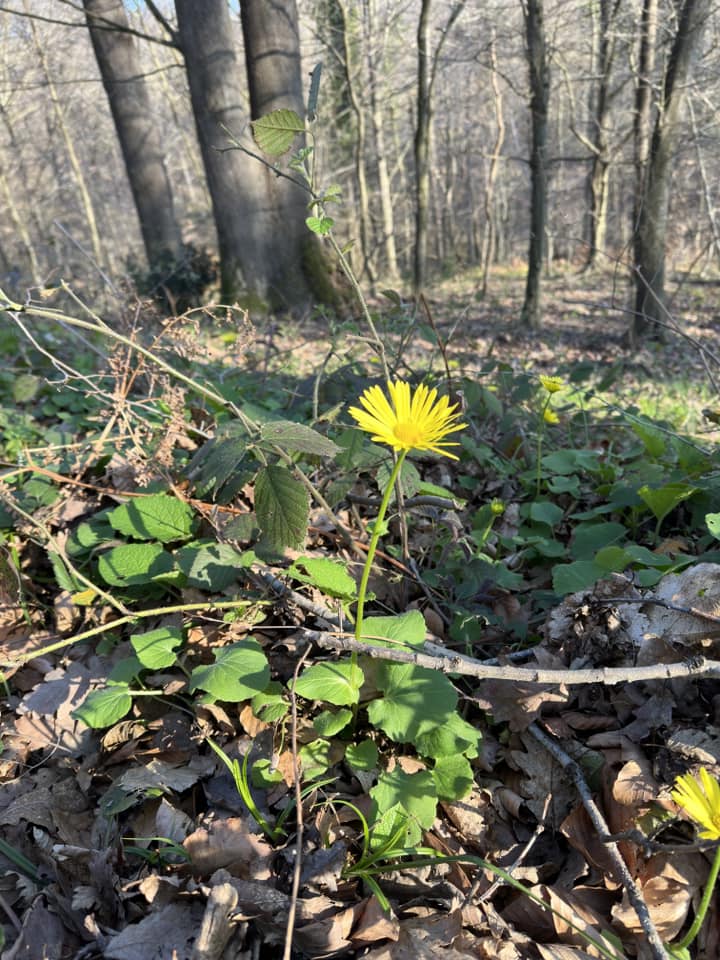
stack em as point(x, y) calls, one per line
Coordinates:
point(414, 701)
point(453, 777)
point(409, 477)
point(414, 792)
point(158, 517)
point(275, 132)
point(156, 648)
point(297, 437)
point(329, 576)
point(134, 564)
point(281, 507)
point(25, 387)
point(328, 723)
point(102, 708)
point(210, 565)
point(337, 683)
point(712, 522)
point(239, 673)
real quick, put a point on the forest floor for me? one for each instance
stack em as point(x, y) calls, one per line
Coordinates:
point(123, 832)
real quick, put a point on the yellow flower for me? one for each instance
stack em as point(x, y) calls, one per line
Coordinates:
point(549, 416)
point(420, 421)
point(700, 799)
point(552, 384)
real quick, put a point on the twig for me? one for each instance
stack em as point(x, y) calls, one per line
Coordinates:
point(468, 667)
point(623, 874)
point(299, 823)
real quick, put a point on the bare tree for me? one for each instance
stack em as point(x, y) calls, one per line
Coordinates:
point(539, 73)
point(654, 174)
point(137, 131)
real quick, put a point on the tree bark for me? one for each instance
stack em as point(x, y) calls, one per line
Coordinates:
point(539, 99)
point(236, 182)
point(654, 198)
point(137, 132)
point(272, 59)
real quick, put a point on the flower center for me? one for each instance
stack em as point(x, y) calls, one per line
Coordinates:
point(408, 433)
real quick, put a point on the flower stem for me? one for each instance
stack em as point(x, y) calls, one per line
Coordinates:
point(702, 909)
point(541, 436)
point(372, 547)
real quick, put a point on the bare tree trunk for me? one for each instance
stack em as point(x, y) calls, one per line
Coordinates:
point(378, 127)
point(137, 132)
point(360, 151)
point(539, 99)
point(272, 58)
point(427, 71)
point(85, 196)
point(654, 201)
point(489, 233)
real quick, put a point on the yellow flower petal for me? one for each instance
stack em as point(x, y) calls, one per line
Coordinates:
point(549, 416)
point(552, 384)
point(407, 420)
point(700, 799)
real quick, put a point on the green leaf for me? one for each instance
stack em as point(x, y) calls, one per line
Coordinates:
point(572, 577)
point(664, 499)
point(653, 440)
point(274, 133)
point(156, 648)
point(217, 468)
point(239, 673)
point(414, 792)
point(158, 517)
point(362, 756)
point(328, 723)
point(102, 708)
point(329, 576)
point(408, 629)
point(543, 511)
point(613, 559)
point(281, 505)
point(25, 387)
point(320, 225)
point(712, 522)
point(453, 738)
point(415, 700)
point(453, 777)
point(270, 705)
point(409, 477)
point(209, 565)
point(315, 758)
point(134, 564)
point(296, 437)
point(337, 683)
point(588, 538)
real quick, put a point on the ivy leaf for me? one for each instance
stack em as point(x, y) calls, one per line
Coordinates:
point(573, 577)
point(156, 648)
point(297, 437)
point(336, 683)
point(158, 517)
point(281, 506)
point(274, 133)
point(239, 673)
point(102, 708)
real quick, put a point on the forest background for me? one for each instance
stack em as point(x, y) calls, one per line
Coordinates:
point(463, 134)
